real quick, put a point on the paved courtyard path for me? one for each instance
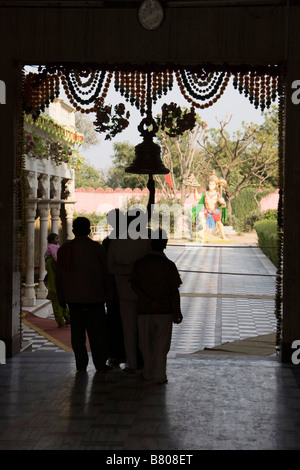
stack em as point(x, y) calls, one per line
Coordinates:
point(227, 294)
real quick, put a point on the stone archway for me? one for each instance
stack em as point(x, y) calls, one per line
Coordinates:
point(232, 33)
point(261, 84)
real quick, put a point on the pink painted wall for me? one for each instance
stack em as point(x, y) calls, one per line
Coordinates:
point(101, 201)
point(270, 201)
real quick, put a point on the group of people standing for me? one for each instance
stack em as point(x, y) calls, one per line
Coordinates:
point(122, 295)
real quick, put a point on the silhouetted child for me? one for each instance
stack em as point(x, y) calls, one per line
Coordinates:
point(156, 281)
point(53, 245)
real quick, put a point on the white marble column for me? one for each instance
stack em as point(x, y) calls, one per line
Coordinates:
point(69, 209)
point(55, 214)
point(29, 298)
point(55, 204)
point(69, 193)
point(43, 208)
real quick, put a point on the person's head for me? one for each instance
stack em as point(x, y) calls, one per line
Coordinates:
point(53, 238)
point(212, 185)
point(159, 240)
point(213, 181)
point(81, 227)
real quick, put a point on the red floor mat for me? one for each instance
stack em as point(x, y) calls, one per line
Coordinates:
point(48, 328)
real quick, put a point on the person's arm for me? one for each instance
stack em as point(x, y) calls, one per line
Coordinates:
point(175, 299)
point(197, 196)
point(59, 281)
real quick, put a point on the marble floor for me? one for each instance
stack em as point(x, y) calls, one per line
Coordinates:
point(209, 403)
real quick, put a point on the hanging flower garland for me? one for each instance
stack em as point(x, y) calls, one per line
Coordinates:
point(82, 93)
point(39, 91)
point(280, 235)
point(175, 121)
point(110, 123)
point(260, 88)
point(87, 88)
point(133, 86)
point(19, 186)
point(204, 86)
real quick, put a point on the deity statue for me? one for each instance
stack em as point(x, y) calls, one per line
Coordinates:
point(211, 208)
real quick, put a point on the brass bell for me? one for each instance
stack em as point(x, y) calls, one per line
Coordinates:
point(147, 154)
point(147, 160)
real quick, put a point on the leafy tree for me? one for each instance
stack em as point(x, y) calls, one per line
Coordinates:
point(182, 157)
point(248, 160)
point(116, 175)
point(94, 218)
point(90, 177)
point(85, 126)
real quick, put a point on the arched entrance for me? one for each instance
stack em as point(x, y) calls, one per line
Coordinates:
point(87, 87)
point(235, 33)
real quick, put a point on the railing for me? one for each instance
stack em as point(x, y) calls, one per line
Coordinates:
point(99, 232)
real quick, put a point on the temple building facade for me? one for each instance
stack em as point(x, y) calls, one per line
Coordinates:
point(49, 190)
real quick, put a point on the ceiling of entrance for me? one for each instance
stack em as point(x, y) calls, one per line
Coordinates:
point(135, 3)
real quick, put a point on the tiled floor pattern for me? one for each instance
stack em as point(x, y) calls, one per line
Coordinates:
point(227, 294)
point(209, 402)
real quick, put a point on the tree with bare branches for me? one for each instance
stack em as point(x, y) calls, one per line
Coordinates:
point(181, 156)
point(248, 160)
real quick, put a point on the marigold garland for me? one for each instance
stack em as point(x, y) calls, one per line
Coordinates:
point(261, 88)
point(19, 185)
point(134, 88)
point(39, 91)
point(280, 234)
point(87, 87)
point(202, 86)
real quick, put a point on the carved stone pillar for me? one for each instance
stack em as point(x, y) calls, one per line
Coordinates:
point(55, 204)
point(69, 195)
point(29, 298)
point(69, 209)
point(55, 214)
point(43, 186)
point(55, 187)
point(31, 184)
point(43, 207)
